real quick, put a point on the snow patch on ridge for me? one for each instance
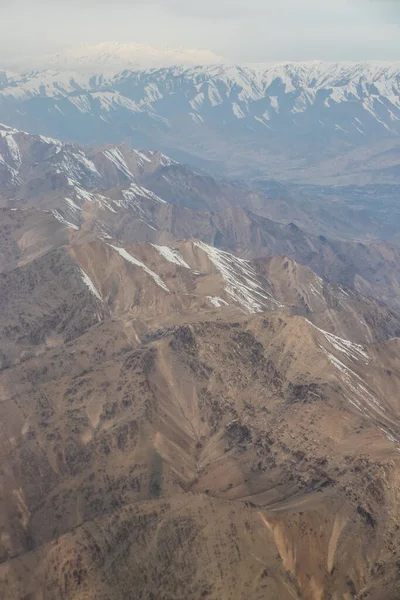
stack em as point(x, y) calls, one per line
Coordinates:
point(351, 350)
point(51, 141)
point(116, 157)
point(355, 390)
point(12, 146)
point(89, 283)
point(357, 393)
point(217, 301)
point(242, 282)
point(171, 255)
point(61, 219)
point(237, 111)
point(134, 191)
point(143, 156)
point(73, 206)
point(128, 257)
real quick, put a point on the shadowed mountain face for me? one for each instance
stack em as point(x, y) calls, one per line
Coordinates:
point(194, 403)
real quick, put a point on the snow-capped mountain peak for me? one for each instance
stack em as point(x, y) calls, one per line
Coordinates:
point(113, 56)
point(304, 112)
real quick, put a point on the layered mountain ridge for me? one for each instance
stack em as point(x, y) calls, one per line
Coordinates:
point(146, 196)
point(296, 114)
point(196, 401)
point(319, 139)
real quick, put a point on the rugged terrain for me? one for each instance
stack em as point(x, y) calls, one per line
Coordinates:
point(212, 460)
point(144, 196)
point(194, 403)
point(179, 422)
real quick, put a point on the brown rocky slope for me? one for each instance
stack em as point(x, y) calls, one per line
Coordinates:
point(220, 460)
point(181, 423)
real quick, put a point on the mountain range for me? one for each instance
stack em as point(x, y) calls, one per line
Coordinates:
point(318, 138)
point(295, 121)
point(199, 364)
point(136, 195)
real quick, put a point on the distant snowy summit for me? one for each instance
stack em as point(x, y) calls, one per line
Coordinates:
point(112, 57)
point(276, 119)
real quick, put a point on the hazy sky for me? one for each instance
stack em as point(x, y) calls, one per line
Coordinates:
point(240, 30)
